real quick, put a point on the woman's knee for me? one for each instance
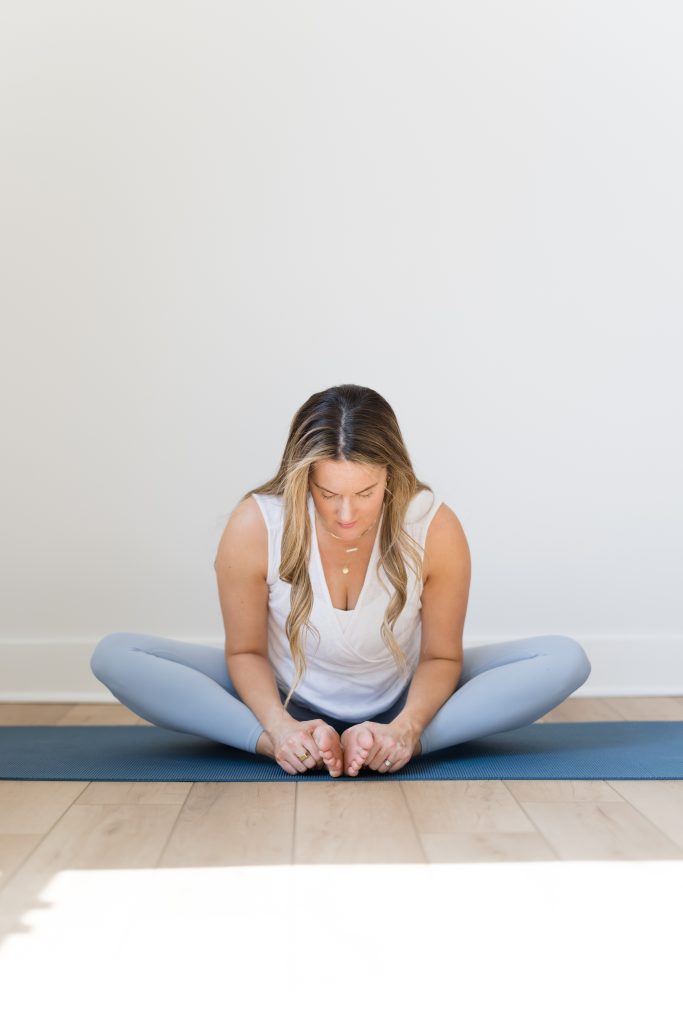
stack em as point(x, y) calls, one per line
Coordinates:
point(573, 659)
point(103, 657)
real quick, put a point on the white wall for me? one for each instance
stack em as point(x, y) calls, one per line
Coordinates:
point(211, 210)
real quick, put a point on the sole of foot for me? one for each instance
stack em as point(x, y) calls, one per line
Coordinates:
point(330, 747)
point(357, 743)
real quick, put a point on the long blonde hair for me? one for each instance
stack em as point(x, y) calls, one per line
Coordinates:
point(353, 423)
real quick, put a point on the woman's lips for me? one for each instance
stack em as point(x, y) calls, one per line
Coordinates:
point(347, 526)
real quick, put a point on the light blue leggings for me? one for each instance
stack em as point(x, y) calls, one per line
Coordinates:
point(186, 687)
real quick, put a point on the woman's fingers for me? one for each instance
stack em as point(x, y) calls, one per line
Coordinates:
point(302, 742)
point(390, 756)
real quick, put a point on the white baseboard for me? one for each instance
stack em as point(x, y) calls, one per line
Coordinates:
point(58, 671)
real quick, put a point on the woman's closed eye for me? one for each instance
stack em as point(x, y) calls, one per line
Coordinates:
point(327, 497)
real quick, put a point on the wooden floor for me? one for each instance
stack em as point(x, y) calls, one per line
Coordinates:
point(84, 865)
point(172, 824)
point(67, 847)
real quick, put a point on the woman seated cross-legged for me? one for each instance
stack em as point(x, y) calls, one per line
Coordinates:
point(343, 583)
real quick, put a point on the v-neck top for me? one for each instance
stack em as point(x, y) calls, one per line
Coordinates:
point(350, 672)
point(343, 616)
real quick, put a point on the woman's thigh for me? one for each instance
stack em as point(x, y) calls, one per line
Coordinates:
point(202, 657)
point(208, 660)
point(483, 657)
point(475, 661)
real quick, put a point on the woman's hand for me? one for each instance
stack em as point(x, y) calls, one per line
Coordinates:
point(291, 738)
point(371, 744)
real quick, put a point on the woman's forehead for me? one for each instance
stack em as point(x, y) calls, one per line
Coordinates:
point(332, 473)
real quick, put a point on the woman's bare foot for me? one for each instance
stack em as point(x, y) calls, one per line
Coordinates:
point(329, 745)
point(357, 742)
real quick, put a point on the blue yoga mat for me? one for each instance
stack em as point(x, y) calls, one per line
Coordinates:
point(552, 750)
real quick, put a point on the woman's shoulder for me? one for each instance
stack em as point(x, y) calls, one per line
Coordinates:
point(269, 504)
point(245, 535)
point(421, 508)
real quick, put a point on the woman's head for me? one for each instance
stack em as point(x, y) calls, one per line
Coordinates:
point(347, 495)
point(346, 449)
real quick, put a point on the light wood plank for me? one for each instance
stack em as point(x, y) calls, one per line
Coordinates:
point(29, 807)
point(468, 847)
point(135, 793)
point(461, 805)
point(14, 849)
point(28, 810)
point(224, 823)
point(561, 790)
point(105, 836)
point(659, 800)
point(646, 709)
point(32, 714)
point(584, 709)
point(354, 822)
point(599, 830)
point(101, 714)
point(88, 836)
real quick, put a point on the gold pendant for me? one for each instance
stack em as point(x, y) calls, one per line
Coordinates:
point(346, 569)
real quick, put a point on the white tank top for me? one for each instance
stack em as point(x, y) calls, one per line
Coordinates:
point(350, 673)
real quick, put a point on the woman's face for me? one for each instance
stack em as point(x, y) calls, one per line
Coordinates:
point(347, 492)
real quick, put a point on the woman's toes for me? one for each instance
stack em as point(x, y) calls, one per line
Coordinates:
point(362, 744)
point(329, 746)
point(365, 740)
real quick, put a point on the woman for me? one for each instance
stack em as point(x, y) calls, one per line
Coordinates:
point(343, 584)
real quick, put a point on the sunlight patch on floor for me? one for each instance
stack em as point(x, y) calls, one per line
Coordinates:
point(299, 941)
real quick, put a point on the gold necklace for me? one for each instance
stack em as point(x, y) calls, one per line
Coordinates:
point(348, 551)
